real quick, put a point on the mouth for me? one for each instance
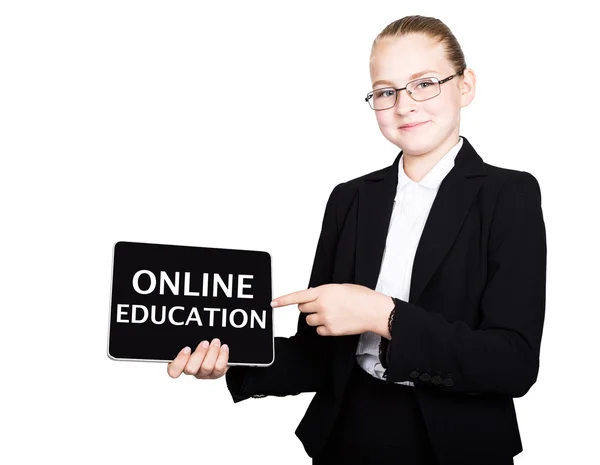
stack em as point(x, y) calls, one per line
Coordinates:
point(410, 126)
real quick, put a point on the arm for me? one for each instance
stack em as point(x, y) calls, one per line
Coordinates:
point(501, 356)
point(301, 360)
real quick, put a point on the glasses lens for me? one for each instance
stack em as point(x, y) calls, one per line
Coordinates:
point(383, 99)
point(423, 89)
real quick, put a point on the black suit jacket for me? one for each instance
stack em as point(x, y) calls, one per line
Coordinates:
point(469, 337)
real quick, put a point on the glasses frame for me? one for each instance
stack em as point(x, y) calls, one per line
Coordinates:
point(440, 82)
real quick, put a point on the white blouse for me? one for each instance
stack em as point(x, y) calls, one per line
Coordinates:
point(411, 207)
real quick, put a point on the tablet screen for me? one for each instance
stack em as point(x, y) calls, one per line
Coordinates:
point(166, 297)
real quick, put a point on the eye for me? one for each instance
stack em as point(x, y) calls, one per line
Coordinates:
point(384, 93)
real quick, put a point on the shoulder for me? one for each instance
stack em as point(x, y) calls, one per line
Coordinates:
point(499, 184)
point(496, 178)
point(514, 204)
point(501, 175)
point(342, 198)
point(504, 181)
point(348, 189)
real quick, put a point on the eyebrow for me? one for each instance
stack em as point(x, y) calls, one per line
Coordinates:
point(411, 77)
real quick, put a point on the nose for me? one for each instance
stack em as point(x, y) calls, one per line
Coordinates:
point(404, 103)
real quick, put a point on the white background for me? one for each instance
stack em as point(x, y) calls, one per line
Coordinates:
point(195, 124)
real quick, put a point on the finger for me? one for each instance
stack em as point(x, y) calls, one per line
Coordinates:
point(323, 331)
point(306, 295)
point(195, 361)
point(209, 361)
point(314, 319)
point(175, 368)
point(309, 307)
point(221, 366)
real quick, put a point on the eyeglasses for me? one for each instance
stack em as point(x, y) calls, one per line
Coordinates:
point(419, 90)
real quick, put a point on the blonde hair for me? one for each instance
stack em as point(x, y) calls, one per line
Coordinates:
point(432, 28)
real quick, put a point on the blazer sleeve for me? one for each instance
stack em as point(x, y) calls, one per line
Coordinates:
point(300, 360)
point(501, 356)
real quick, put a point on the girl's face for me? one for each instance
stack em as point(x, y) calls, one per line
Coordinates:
point(400, 60)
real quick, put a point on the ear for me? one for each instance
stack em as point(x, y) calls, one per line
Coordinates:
point(467, 87)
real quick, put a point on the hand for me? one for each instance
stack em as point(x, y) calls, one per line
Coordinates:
point(204, 363)
point(337, 309)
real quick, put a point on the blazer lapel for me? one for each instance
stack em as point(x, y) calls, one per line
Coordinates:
point(375, 204)
point(448, 211)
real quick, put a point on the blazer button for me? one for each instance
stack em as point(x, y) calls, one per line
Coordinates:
point(414, 374)
point(436, 380)
point(448, 382)
point(425, 377)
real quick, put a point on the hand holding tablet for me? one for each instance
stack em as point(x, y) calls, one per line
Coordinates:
point(208, 362)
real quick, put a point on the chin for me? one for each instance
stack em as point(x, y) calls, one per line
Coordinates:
point(414, 146)
point(411, 143)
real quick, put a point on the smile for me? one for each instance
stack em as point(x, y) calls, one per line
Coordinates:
point(412, 126)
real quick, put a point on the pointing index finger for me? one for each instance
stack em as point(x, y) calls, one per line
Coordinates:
point(298, 297)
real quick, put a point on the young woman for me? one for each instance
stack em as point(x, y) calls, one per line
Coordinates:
point(424, 311)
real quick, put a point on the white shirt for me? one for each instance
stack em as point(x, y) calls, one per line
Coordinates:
point(410, 211)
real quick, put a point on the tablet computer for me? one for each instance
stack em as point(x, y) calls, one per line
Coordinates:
point(165, 297)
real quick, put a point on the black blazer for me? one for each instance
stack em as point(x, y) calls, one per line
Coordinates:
point(469, 337)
